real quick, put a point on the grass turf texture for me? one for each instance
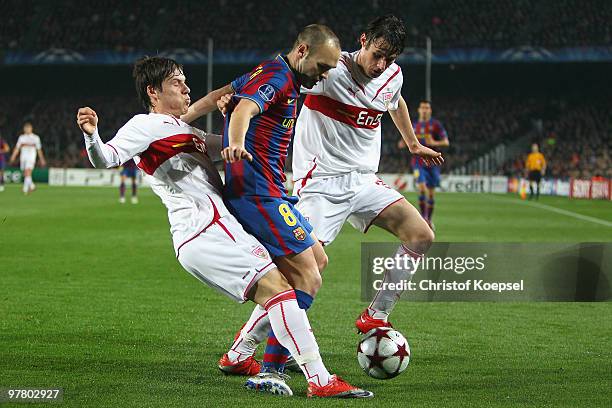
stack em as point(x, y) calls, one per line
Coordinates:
point(94, 301)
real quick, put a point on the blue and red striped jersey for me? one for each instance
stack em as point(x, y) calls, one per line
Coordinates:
point(2, 143)
point(273, 86)
point(431, 127)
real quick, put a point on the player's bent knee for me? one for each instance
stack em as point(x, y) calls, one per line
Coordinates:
point(419, 237)
point(301, 271)
point(309, 280)
point(322, 261)
point(424, 235)
point(431, 236)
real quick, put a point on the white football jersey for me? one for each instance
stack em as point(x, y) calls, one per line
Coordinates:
point(338, 129)
point(28, 145)
point(173, 156)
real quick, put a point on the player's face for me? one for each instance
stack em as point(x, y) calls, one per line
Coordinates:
point(375, 58)
point(534, 148)
point(27, 129)
point(315, 66)
point(424, 111)
point(174, 96)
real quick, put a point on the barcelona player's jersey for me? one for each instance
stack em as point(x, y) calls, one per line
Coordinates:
point(273, 86)
point(2, 157)
point(422, 129)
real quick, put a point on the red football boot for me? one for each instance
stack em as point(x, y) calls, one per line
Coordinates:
point(365, 323)
point(248, 367)
point(337, 388)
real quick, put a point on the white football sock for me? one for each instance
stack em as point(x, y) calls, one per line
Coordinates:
point(27, 182)
point(252, 334)
point(292, 329)
point(385, 300)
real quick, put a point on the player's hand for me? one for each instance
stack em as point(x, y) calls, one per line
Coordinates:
point(401, 144)
point(429, 156)
point(232, 154)
point(43, 162)
point(223, 103)
point(87, 119)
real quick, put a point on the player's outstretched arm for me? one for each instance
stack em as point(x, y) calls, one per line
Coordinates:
point(443, 142)
point(430, 141)
point(41, 156)
point(15, 152)
point(206, 104)
point(100, 155)
point(401, 119)
point(238, 126)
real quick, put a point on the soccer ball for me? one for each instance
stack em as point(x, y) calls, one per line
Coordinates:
point(383, 353)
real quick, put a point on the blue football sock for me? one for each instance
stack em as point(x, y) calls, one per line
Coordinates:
point(304, 299)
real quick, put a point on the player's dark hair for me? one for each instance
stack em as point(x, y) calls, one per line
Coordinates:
point(316, 35)
point(152, 71)
point(388, 32)
point(425, 101)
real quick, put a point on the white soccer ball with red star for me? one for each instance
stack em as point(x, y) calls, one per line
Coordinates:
point(383, 353)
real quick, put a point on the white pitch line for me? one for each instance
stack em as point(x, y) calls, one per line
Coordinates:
point(557, 210)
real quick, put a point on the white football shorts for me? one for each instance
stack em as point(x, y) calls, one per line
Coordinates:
point(27, 163)
point(354, 197)
point(225, 257)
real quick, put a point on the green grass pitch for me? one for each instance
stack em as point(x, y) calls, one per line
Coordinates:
point(93, 300)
